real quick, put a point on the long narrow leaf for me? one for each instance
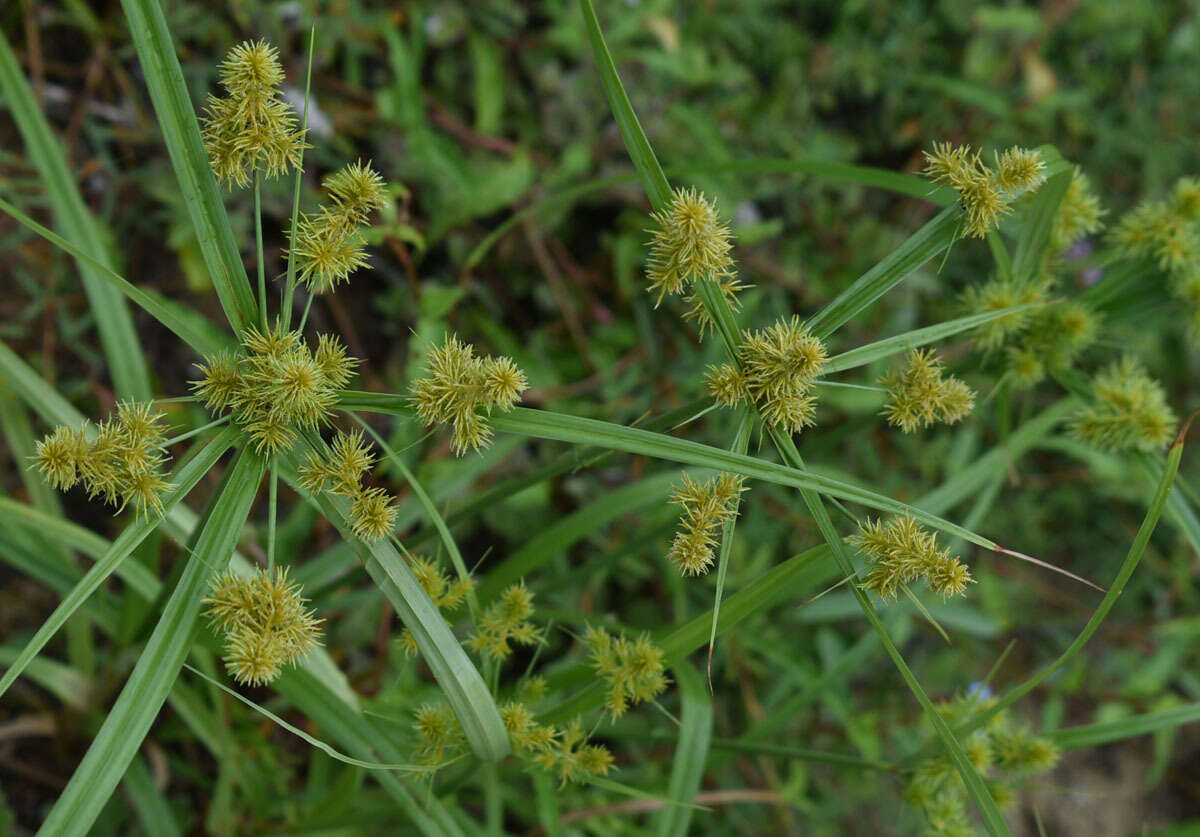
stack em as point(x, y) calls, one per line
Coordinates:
point(691, 752)
point(138, 705)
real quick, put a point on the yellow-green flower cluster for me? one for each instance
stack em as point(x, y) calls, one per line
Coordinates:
point(1001, 752)
point(329, 245)
point(340, 470)
point(900, 552)
point(1078, 215)
point(776, 368)
point(275, 386)
point(986, 193)
point(1166, 232)
point(120, 461)
point(462, 388)
point(251, 129)
point(506, 621)
point(1129, 410)
point(688, 244)
point(632, 669)
point(706, 507)
point(265, 623)
point(445, 592)
point(920, 394)
point(573, 758)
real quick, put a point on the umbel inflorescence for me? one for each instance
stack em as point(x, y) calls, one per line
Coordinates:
point(920, 394)
point(275, 386)
point(900, 552)
point(461, 389)
point(631, 668)
point(986, 193)
point(775, 371)
point(251, 129)
point(120, 459)
point(265, 623)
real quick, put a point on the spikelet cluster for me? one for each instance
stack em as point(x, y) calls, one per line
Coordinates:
point(919, 394)
point(265, 623)
point(329, 244)
point(1032, 343)
point(1129, 410)
point(1166, 232)
point(251, 129)
point(775, 370)
point(631, 669)
point(1079, 214)
point(706, 507)
point(121, 461)
point(689, 243)
point(986, 193)
point(339, 470)
point(445, 592)
point(275, 385)
point(573, 757)
point(1001, 752)
point(440, 736)
point(506, 621)
point(461, 389)
point(900, 552)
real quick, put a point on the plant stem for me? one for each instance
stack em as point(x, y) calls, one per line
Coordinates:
point(290, 287)
point(273, 502)
point(185, 436)
point(258, 240)
point(307, 306)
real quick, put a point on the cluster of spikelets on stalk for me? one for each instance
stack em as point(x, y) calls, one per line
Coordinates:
point(1166, 232)
point(689, 244)
point(339, 469)
point(251, 130)
point(265, 623)
point(119, 460)
point(775, 371)
point(986, 193)
point(632, 669)
point(1003, 752)
point(461, 389)
point(329, 244)
point(900, 552)
point(1128, 410)
point(919, 394)
point(506, 621)
point(706, 508)
point(275, 386)
point(446, 593)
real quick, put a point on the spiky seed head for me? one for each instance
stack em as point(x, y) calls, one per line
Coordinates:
point(506, 621)
point(1185, 198)
point(254, 659)
point(780, 357)
point(726, 384)
point(706, 507)
point(1019, 169)
point(59, 455)
point(1079, 214)
point(141, 424)
point(901, 552)
point(632, 669)
point(357, 190)
point(919, 394)
point(985, 194)
point(1129, 410)
point(333, 360)
point(372, 514)
point(503, 382)
point(689, 243)
point(951, 165)
point(327, 250)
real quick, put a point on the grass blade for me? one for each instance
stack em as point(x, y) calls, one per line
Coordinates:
point(181, 131)
point(138, 705)
point(131, 377)
point(1093, 735)
point(927, 242)
point(658, 189)
point(863, 355)
point(687, 769)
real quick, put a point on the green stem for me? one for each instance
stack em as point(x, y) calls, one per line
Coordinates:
point(290, 286)
point(258, 240)
point(185, 436)
point(307, 307)
point(273, 502)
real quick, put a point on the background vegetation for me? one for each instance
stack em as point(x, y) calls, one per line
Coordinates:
point(479, 111)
